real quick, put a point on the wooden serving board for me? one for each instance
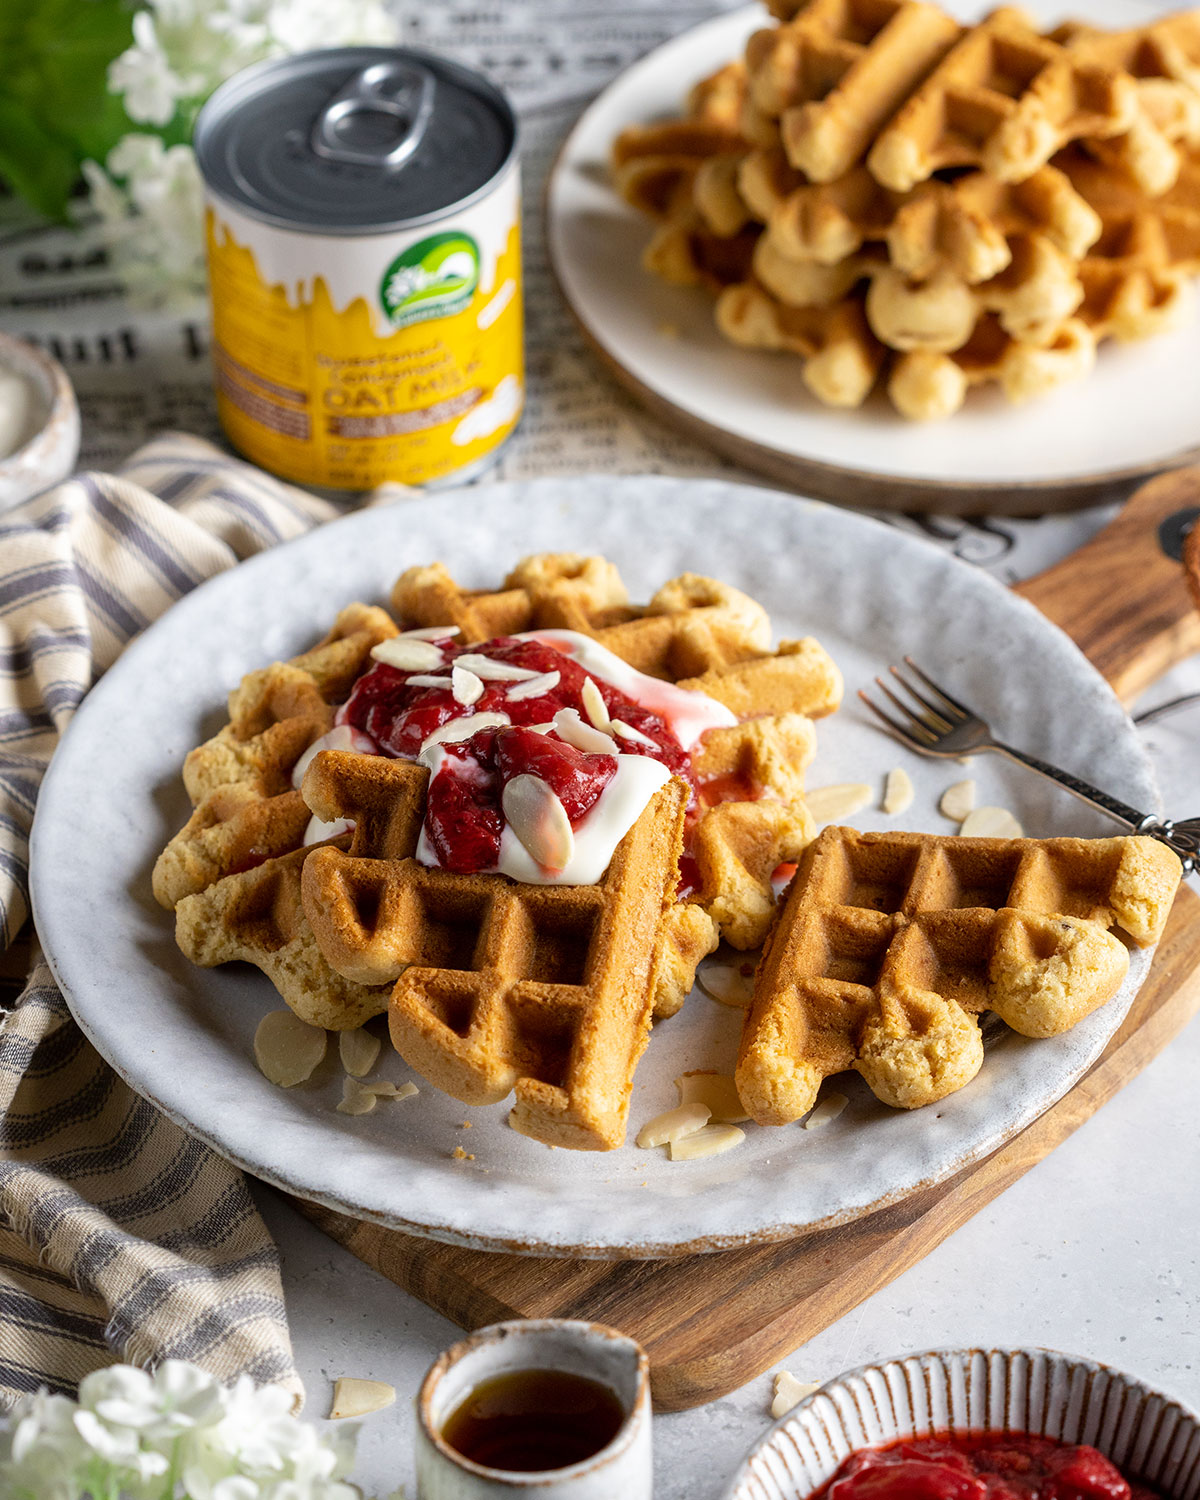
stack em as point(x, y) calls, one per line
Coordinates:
point(712, 1322)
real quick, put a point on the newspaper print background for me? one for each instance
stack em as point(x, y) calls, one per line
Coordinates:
point(137, 373)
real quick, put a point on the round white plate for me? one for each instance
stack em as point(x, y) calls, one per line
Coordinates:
point(1134, 415)
point(182, 1035)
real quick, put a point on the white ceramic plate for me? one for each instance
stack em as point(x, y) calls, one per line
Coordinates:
point(182, 1035)
point(1134, 415)
point(1148, 1436)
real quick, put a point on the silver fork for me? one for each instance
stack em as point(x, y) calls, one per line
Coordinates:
point(942, 726)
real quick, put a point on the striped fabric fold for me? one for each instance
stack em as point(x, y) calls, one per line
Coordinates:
point(121, 1237)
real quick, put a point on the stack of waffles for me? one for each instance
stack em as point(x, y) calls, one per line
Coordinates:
point(492, 986)
point(896, 198)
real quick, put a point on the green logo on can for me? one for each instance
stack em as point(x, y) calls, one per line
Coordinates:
point(431, 279)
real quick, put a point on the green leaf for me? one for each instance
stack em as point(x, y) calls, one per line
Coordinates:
point(55, 107)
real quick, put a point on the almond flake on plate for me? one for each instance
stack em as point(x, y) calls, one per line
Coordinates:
point(466, 686)
point(595, 706)
point(898, 793)
point(383, 1090)
point(570, 727)
point(673, 1125)
point(717, 1092)
point(287, 1049)
point(357, 1098)
point(727, 984)
point(408, 654)
point(422, 679)
point(830, 804)
point(493, 671)
point(825, 1110)
point(359, 1398)
point(539, 820)
point(536, 687)
point(359, 1051)
point(789, 1392)
point(991, 823)
point(958, 801)
point(711, 1141)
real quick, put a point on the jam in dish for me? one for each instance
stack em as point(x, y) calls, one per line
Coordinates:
point(543, 750)
point(980, 1466)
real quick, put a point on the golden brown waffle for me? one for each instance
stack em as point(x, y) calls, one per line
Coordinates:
point(257, 917)
point(842, 357)
point(499, 987)
point(964, 226)
point(703, 635)
point(240, 781)
point(1164, 61)
point(1004, 99)
point(236, 863)
point(655, 166)
point(889, 945)
point(827, 79)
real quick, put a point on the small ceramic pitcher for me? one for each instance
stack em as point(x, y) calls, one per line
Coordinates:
point(621, 1468)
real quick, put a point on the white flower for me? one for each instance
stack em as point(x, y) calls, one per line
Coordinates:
point(300, 25)
point(150, 86)
point(130, 1430)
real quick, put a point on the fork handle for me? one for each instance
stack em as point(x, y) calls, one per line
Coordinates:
point(1183, 838)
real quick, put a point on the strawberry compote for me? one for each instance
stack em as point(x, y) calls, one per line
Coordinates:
point(401, 717)
point(464, 819)
point(981, 1466)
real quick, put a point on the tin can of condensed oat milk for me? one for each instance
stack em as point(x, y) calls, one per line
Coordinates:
point(364, 261)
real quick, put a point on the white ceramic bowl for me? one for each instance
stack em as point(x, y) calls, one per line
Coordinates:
point(1148, 1436)
point(49, 455)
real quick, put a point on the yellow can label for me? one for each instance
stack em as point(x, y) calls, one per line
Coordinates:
point(346, 361)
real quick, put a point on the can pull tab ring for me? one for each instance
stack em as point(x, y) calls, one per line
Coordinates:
point(378, 118)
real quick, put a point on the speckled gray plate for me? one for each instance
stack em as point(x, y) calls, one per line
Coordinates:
point(182, 1036)
point(1148, 1436)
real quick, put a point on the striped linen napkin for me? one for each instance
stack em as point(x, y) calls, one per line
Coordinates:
point(121, 1237)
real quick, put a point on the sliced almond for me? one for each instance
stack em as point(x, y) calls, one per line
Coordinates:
point(958, 801)
point(425, 679)
point(466, 686)
point(717, 1092)
point(830, 804)
point(408, 654)
point(536, 687)
point(287, 1049)
point(357, 1098)
point(824, 1110)
point(359, 1398)
point(789, 1392)
point(710, 1141)
point(464, 728)
point(429, 633)
point(359, 1051)
point(539, 820)
point(383, 1090)
point(898, 793)
point(672, 1125)
point(628, 732)
point(991, 823)
point(595, 707)
point(570, 727)
point(493, 671)
point(726, 983)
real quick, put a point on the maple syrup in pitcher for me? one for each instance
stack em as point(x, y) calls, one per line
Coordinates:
point(532, 1420)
